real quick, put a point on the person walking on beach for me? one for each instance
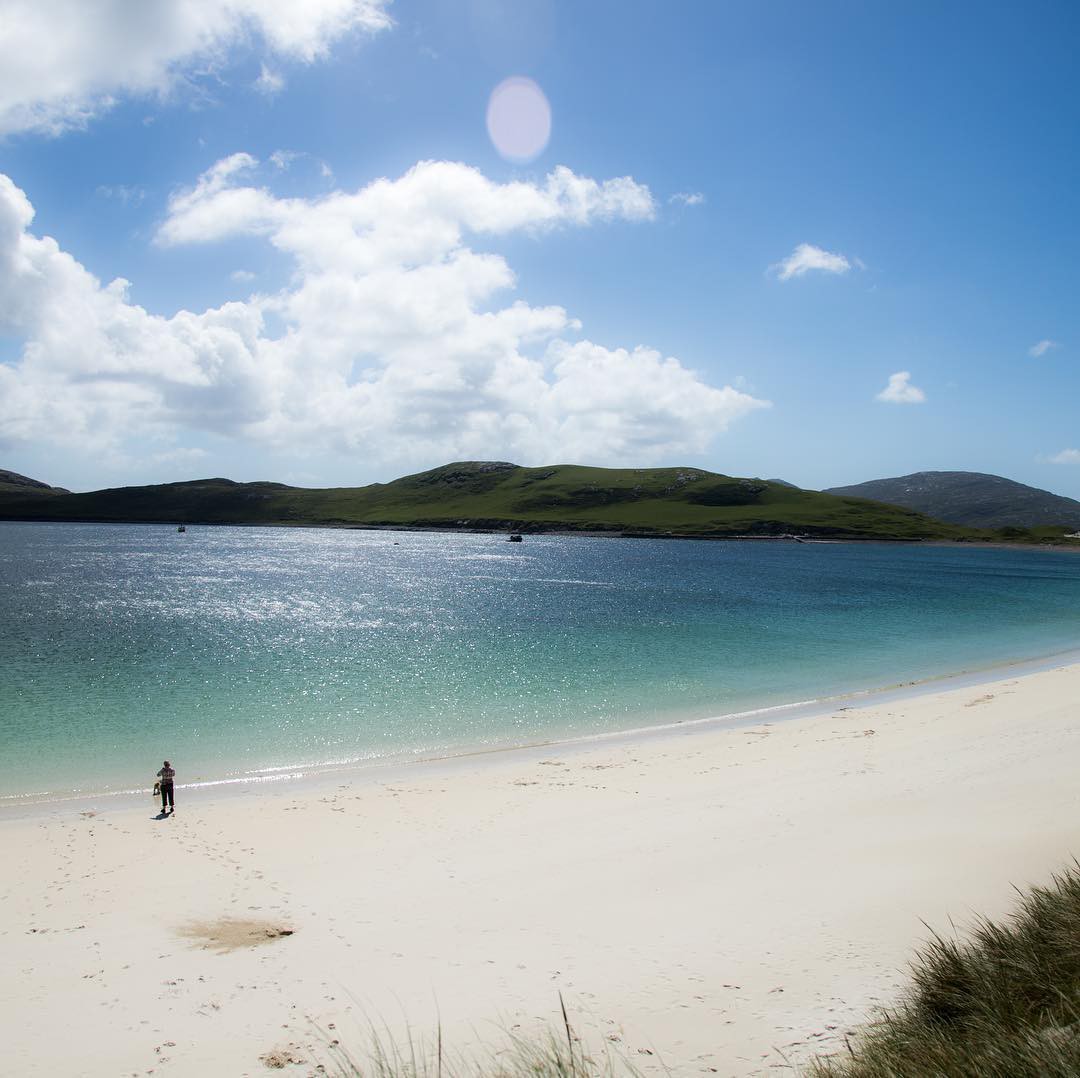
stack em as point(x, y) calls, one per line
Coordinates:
point(167, 775)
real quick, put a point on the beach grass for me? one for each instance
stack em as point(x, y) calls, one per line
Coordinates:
point(557, 1052)
point(1003, 1002)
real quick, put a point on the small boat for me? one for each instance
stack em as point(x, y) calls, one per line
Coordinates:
point(182, 528)
point(515, 539)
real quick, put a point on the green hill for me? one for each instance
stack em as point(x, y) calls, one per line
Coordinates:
point(13, 483)
point(497, 495)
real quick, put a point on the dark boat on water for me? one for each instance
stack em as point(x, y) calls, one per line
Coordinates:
point(515, 539)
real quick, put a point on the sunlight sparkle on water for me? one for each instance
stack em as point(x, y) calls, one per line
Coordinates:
point(242, 651)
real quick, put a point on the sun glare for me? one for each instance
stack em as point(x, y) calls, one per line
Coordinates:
point(519, 119)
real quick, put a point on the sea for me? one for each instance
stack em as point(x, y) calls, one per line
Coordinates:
point(245, 655)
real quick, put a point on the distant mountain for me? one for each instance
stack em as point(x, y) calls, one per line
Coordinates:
point(13, 483)
point(496, 495)
point(971, 499)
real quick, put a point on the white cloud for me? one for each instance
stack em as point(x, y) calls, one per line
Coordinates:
point(901, 391)
point(807, 257)
point(394, 346)
point(282, 159)
point(641, 403)
point(688, 198)
point(1066, 456)
point(1040, 349)
point(420, 216)
point(242, 276)
point(181, 455)
point(128, 195)
point(62, 62)
point(269, 82)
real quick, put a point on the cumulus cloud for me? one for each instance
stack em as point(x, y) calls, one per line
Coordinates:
point(390, 341)
point(1040, 349)
point(688, 198)
point(420, 216)
point(640, 400)
point(1066, 456)
point(805, 258)
point(64, 61)
point(901, 391)
point(93, 363)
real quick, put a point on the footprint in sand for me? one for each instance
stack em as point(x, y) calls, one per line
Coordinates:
point(980, 700)
point(282, 1057)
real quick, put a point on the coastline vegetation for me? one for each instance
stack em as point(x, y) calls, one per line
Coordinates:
point(496, 496)
point(1005, 1003)
point(557, 1053)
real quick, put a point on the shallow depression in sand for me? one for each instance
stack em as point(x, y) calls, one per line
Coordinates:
point(229, 934)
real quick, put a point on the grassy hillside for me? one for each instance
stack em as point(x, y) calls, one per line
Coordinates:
point(13, 483)
point(471, 494)
point(972, 499)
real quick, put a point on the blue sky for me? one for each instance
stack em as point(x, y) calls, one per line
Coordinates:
point(823, 241)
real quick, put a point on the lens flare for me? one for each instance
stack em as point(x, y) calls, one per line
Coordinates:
point(518, 119)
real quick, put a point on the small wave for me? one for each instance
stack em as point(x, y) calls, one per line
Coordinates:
point(488, 557)
point(583, 583)
point(547, 580)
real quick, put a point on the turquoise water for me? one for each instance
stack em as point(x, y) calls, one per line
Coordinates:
point(235, 651)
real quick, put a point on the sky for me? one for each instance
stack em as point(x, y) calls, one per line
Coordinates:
point(331, 242)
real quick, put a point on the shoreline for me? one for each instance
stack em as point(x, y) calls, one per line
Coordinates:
point(732, 898)
point(300, 775)
point(808, 538)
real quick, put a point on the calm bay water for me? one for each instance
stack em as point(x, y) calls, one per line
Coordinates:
point(237, 650)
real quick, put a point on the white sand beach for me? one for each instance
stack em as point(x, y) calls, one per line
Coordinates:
point(706, 899)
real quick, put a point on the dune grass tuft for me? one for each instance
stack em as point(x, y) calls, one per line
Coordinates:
point(557, 1053)
point(1003, 1003)
point(1006, 1002)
